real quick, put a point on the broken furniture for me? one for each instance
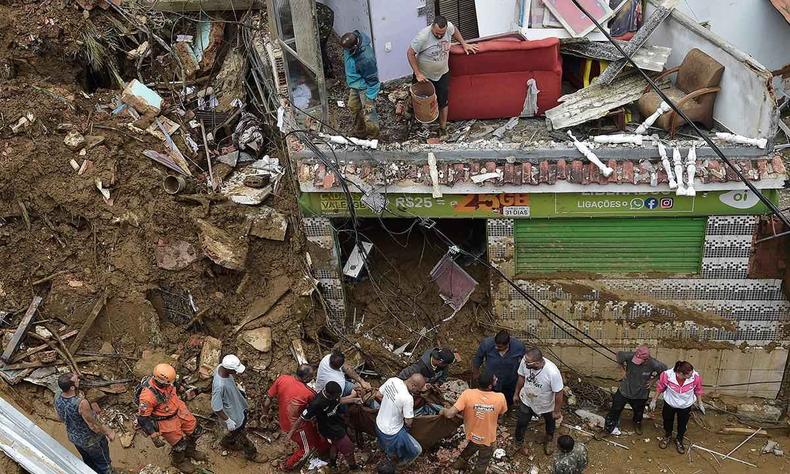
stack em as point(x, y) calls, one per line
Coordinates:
point(493, 83)
point(694, 92)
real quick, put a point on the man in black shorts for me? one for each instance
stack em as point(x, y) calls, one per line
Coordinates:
point(429, 56)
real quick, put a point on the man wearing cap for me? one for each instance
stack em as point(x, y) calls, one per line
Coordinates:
point(362, 77)
point(230, 406)
point(640, 371)
point(434, 365)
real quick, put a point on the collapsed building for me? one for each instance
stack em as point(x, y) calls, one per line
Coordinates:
point(636, 245)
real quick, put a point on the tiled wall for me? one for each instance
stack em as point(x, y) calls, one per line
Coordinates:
point(757, 308)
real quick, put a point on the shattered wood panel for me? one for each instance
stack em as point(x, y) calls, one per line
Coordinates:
point(595, 101)
point(639, 39)
point(650, 58)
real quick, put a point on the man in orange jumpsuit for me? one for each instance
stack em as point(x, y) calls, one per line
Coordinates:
point(163, 415)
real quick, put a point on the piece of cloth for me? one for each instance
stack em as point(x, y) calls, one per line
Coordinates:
point(366, 118)
point(635, 384)
point(97, 456)
point(307, 439)
point(396, 405)
point(324, 411)
point(400, 445)
point(345, 447)
point(677, 395)
point(238, 440)
point(505, 367)
point(540, 386)
point(618, 404)
point(361, 70)
point(77, 429)
point(427, 430)
point(433, 53)
point(484, 455)
point(573, 462)
point(668, 413)
point(292, 396)
point(525, 414)
point(226, 397)
point(424, 366)
point(481, 410)
point(172, 416)
point(326, 374)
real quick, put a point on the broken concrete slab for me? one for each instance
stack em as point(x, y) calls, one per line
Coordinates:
point(649, 58)
point(260, 339)
point(221, 247)
point(209, 357)
point(267, 223)
point(143, 99)
point(175, 255)
point(188, 59)
point(74, 140)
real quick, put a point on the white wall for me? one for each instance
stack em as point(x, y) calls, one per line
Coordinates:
point(753, 26)
point(350, 15)
point(395, 22)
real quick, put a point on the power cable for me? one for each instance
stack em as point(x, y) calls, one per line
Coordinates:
point(680, 112)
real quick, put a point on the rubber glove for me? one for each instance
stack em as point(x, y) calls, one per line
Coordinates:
point(230, 424)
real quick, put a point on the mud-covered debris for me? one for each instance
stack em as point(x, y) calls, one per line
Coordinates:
point(127, 439)
point(92, 141)
point(260, 339)
point(175, 255)
point(143, 99)
point(209, 356)
point(74, 140)
point(267, 223)
point(24, 121)
point(189, 60)
point(141, 50)
point(221, 247)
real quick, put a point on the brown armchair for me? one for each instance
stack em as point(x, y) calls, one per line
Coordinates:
point(694, 92)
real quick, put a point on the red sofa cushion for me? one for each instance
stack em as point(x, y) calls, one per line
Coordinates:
point(493, 83)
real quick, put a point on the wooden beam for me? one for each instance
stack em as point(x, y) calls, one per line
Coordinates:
point(13, 344)
point(35, 365)
point(37, 349)
point(89, 322)
point(205, 5)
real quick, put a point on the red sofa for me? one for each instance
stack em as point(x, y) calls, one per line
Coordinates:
point(493, 83)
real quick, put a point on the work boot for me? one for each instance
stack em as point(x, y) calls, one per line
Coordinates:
point(548, 445)
point(638, 427)
point(679, 446)
point(193, 453)
point(181, 462)
point(664, 442)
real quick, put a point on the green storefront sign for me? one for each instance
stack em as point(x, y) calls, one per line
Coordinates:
point(525, 205)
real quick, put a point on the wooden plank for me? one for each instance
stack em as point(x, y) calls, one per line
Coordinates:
point(205, 5)
point(42, 347)
point(35, 365)
point(741, 431)
point(13, 344)
point(89, 322)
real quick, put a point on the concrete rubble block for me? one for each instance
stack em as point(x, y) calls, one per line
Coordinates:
point(175, 255)
point(221, 247)
point(209, 357)
point(141, 98)
point(74, 140)
point(260, 339)
point(188, 58)
point(267, 223)
point(760, 411)
point(591, 418)
point(24, 121)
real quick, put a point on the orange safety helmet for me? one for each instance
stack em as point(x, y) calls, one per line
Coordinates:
point(164, 373)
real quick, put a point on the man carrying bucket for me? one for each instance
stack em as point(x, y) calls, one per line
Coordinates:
point(429, 57)
point(362, 76)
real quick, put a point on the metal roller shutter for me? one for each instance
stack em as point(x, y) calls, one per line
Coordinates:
point(462, 14)
point(610, 245)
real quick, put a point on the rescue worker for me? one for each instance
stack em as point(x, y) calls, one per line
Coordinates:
point(571, 458)
point(362, 77)
point(162, 415)
point(434, 365)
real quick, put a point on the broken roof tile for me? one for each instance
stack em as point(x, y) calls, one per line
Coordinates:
point(562, 170)
point(778, 165)
point(576, 172)
point(552, 173)
point(543, 172)
point(509, 174)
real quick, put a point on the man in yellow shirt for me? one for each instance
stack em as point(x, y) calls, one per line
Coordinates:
point(481, 408)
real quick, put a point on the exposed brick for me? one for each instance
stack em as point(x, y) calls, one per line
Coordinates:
point(519, 171)
point(730, 173)
point(662, 177)
point(778, 165)
point(527, 176)
point(329, 180)
point(717, 174)
point(562, 169)
point(459, 173)
point(474, 168)
point(594, 173)
point(552, 173)
point(576, 172)
point(490, 166)
point(615, 176)
point(543, 172)
point(750, 170)
point(351, 167)
point(586, 173)
point(319, 175)
point(762, 168)
point(509, 174)
point(426, 174)
point(366, 170)
point(443, 178)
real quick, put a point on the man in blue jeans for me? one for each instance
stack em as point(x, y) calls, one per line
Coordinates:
point(88, 434)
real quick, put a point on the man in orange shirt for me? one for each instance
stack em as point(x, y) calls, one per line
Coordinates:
point(481, 408)
point(163, 415)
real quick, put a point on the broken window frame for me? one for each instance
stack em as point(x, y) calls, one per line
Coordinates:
point(317, 71)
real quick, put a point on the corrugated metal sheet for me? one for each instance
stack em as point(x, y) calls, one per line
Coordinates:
point(462, 14)
point(36, 451)
point(610, 245)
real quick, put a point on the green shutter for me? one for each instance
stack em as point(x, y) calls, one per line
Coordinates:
point(609, 245)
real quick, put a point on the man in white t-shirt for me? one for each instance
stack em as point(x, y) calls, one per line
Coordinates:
point(538, 393)
point(333, 368)
point(395, 417)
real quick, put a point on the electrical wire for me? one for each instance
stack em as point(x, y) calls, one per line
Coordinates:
point(671, 103)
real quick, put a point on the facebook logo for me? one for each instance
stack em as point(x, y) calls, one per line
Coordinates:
point(651, 203)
